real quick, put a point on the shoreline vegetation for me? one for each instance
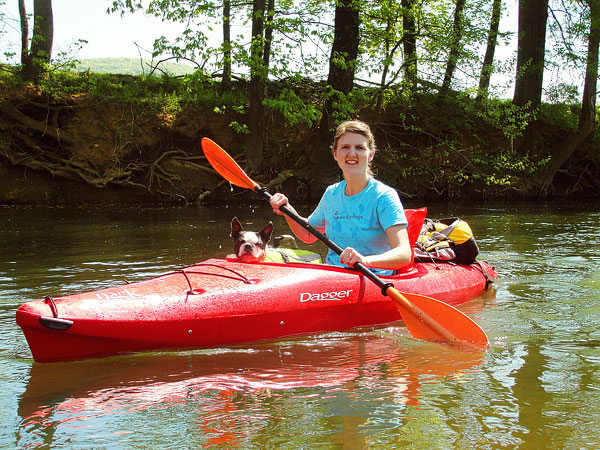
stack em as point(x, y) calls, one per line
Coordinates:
point(84, 138)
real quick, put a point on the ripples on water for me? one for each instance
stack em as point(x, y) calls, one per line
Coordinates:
point(537, 387)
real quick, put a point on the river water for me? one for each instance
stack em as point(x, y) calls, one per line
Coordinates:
point(538, 386)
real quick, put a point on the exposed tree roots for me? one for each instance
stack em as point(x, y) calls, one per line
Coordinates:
point(33, 138)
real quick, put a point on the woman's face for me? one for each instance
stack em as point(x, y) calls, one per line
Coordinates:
point(352, 153)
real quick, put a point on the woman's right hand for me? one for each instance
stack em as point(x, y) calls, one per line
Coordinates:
point(277, 201)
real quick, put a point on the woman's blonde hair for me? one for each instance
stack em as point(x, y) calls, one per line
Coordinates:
point(359, 127)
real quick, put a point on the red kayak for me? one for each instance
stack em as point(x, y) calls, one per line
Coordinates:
point(223, 302)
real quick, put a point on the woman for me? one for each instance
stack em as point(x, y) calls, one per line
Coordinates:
point(360, 214)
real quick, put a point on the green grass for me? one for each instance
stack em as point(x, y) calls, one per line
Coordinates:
point(131, 66)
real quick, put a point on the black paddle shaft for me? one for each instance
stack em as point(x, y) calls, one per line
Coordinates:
point(328, 242)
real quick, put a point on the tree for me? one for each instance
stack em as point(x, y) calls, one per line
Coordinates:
point(533, 18)
point(587, 117)
point(24, 32)
point(389, 43)
point(259, 71)
point(340, 82)
point(226, 78)
point(344, 50)
point(382, 39)
point(455, 50)
point(409, 39)
point(35, 59)
point(193, 43)
point(488, 60)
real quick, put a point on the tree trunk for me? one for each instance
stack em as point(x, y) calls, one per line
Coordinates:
point(409, 37)
point(587, 118)
point(258, 72)
point(488, 61)
point(457, 32)
point(533, 17)
point(269, 32)
point(24, 32)
point(386, 64)
point(389, 53)
point(226, 79)
point(344, 51)
point(41, 42)
point(342, 66)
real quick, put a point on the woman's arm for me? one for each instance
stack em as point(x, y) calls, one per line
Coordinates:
point(398, 256)
point(278, 200)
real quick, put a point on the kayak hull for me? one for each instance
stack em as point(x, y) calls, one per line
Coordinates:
point(227, 302)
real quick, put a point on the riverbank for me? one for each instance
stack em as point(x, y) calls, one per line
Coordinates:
point(82, 139)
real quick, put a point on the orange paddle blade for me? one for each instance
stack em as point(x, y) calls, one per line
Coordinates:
point(450, 325)
point(225, 165)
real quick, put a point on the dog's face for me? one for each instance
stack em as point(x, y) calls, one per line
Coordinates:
point(249, 246)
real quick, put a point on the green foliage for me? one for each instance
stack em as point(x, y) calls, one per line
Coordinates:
point(170, 107)
point(193, 87)
point(295, 23)
point(562, 115)
point(294, 110)
point(202, 93)
point(447, 143)
point(425, 147)
point(458, 147)
point(451, 170)
point(562, 93)
point(504, 115)
point(345, 107)
point(193, 43)
point(238, 127)
point(146, 94)
point(569, 29)
point(506, 167)
point(62, 83)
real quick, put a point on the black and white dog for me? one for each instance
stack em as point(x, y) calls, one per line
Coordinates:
point(250, 246)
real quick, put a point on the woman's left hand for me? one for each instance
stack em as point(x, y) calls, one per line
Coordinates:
point(349, 257)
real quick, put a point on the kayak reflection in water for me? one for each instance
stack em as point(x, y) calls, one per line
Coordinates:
point(222, 387)
point(362, 215)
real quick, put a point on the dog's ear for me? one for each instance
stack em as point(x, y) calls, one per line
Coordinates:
point(266, 232)
point(236, 227)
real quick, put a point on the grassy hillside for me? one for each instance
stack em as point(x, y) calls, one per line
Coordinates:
point(131, 66)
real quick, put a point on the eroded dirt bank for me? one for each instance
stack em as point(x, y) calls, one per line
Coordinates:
point(73, 149)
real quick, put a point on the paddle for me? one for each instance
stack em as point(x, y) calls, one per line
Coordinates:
point(425, 317)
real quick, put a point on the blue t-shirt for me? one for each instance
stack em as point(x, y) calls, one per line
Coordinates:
point(359, 221)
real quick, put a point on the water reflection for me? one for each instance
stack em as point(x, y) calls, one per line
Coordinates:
point(226, 384)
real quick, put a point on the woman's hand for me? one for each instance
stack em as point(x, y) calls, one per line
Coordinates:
point(349, 257)
point(277, 201)
point(398, 256)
